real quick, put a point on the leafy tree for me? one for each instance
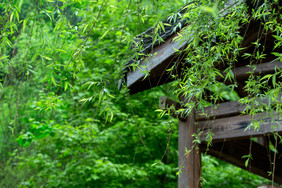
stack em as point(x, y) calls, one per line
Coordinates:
point(63, 122)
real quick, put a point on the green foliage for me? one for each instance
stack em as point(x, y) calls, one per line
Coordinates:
point(62, 121)
point(227, 175)
point(217, 42)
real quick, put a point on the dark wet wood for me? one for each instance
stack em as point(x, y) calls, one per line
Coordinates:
point(242, 73)
point(189, 155)
point(221, 110)
point(158, 56)
point(188, 162)
point(233, 151)
point(226, 109)
point(239, 126)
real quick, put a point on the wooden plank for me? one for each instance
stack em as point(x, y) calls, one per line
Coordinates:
point(262, 140)
point(236, 126)
point(244, 72)
point(232, 152)
point(227, 109)
point(163, 52)
point(189, 163)
point(221, 110)
point(148, 83)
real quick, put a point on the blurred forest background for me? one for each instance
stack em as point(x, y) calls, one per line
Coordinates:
point(63, 122)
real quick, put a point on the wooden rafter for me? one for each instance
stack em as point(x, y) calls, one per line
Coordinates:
point(256, 69)
point(158, 56)
point(233, 151)
point(226, 121)
point(239, 126)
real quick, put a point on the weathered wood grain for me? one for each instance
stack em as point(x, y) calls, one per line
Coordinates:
point(159, 55)
point(189, 163)
point(228, 109)
point(221, 110)
point(237, 126)
point(165, 51)
point(243, 72)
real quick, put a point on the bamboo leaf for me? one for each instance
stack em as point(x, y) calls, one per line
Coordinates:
point(104, 34)
point(48, 58)
point(24, 24)
point(11, 17)
point(53, 81)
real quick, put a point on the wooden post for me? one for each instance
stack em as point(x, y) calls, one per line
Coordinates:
point(190, 164)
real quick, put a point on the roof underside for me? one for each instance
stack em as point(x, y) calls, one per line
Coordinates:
point(160, 56)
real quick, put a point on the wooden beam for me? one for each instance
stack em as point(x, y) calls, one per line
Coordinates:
point(166, 51)
point(244, 72)
point(149, 83)
point(241, 73)
point(262, 141)
point(232, 152)
point(215, 111)
point(221, 110)
point(237, 126)
point(158, 56)
point(225, 120)
point(228, 109)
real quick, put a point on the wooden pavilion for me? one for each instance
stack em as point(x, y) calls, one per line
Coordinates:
point(230, 141)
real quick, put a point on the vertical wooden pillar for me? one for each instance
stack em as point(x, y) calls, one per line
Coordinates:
point(190, 164)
